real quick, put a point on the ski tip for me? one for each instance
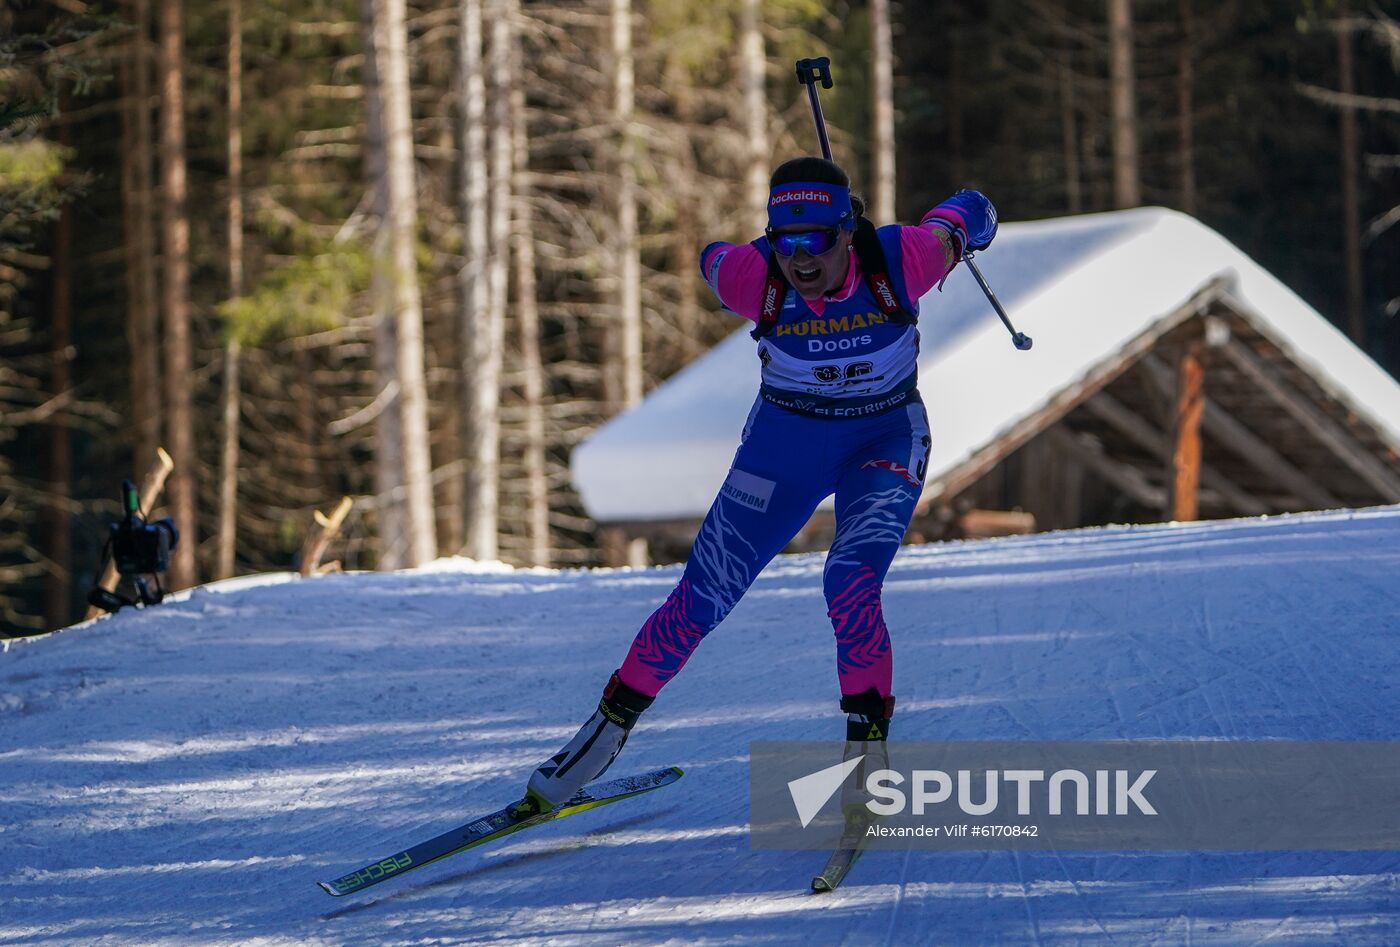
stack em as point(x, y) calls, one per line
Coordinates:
point(325, 886)
point(820, 884)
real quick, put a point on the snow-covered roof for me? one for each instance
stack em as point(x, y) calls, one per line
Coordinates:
point(1081, 287)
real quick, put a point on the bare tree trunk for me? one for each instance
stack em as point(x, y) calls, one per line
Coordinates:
point(629, 262)
point(684, 238)
point(484, 495)
point(59, 585)
point(228, 456)
point(957, 164)
point(1351, 201)
point(175, 239)
point(628, 257)
point(882, 107)
point(1186, 107)
point(531, 365)
point(753, 75)
point(480, 366)
point(395, 249)
point(684, 244)
point(142, 296)
point(228, 460)
point(1127, 190)
point(388, 429)
point(1074, 197)
point(388, 435)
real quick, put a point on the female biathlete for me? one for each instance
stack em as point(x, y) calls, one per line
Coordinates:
point(834, 302)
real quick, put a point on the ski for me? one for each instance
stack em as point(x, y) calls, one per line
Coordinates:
point(837, 865)
point(498, 824)
point(846, 853)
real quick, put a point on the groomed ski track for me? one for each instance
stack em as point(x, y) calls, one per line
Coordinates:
point(183, 775)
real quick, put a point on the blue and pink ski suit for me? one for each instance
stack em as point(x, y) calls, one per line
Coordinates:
point(838, 413)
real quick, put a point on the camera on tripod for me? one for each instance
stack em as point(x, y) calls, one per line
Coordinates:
point(141, 552)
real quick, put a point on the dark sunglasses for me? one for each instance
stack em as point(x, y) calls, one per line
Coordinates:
point(815, 242)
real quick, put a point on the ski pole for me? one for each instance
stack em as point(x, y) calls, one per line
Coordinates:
point(809, 73)
point(1018, 339)
point(812, 71)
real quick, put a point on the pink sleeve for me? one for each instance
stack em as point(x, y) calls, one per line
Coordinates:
point(928, 254)
point(737, 274)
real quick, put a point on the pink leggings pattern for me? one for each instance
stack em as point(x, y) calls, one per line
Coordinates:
point(876, 480)
point(664, 642)
point(863, 657)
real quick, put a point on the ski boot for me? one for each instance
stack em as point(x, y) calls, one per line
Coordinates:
point(867, 727)
point(588, 755)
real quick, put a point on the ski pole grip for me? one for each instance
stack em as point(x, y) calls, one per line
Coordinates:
point(811, 71)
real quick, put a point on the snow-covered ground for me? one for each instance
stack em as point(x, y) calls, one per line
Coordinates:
point(184, 775)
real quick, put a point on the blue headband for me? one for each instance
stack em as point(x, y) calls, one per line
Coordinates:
point(816, 205)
